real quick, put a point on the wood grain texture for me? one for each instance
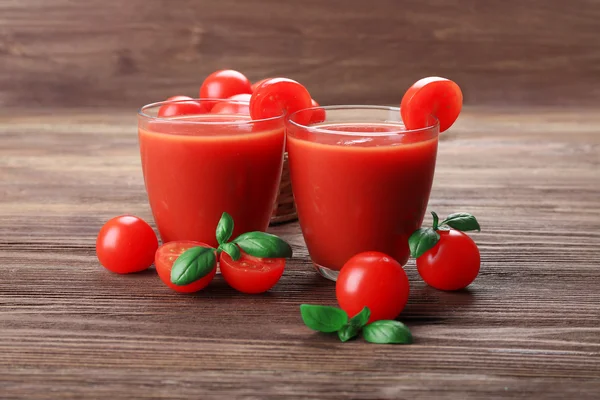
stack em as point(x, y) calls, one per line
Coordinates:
point(93, 53)
point(526, 329)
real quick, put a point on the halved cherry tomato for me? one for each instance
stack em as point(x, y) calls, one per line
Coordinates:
point(251, 274)
point(435, 96)
point(318, 115)
point(375, 280)
point(452, 264)
point(222, 85)
point(166, 256)
point(181, 107)
point(258, 83)
point(239, 104)
point(126, 244)
point(276, 96)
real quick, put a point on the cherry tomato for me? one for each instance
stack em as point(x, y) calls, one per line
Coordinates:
point(222, 85)
point(235, 106)
point(318, 115)
point(374, 280)
point(257, 84)
point(251, 274)
point(279, 95)
point(166, 256)
point(126, 244)
point(452, 264)
point(180, 108)
point(431, 96)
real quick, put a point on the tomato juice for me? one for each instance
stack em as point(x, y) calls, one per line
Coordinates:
point(196, 167)
point(361, 182)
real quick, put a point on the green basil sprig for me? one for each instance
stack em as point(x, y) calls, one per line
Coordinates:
point(323, 318)
point(197, 262)
point(263, 245)
point(331, 319)
point(354, 325)
point(424, 239)
point(387, 332)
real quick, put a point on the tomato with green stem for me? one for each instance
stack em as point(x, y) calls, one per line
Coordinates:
point(250, 274)
point(374, 280)
point(447, 259)
point(126, 244)
point(180, 105)
point(166, 256)
point(452, 264)
point(432, 96)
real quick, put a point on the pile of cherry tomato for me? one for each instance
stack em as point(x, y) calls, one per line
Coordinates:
point(449, 261)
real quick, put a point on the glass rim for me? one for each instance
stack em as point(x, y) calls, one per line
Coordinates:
point(142, 113)
point(319, 129)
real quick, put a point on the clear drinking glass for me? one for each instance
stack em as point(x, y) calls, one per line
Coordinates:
point(361, 181)
point(198, 166)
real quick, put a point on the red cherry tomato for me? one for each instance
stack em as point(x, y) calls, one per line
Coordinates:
point(431, 96)
point(279, 95)
point(222, 85)
point(257, 84)
point(180, 108)
point(166, 256)
point(126, 244)
point(374, 280)
point(452, 264)
point(318, 115)
point(251, 274)
point(235, 106)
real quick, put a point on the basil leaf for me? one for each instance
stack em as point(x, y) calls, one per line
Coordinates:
point(387, 331)
point(323, 318)
point(193, 264)
point(232, 250)
point(422, 240)
point(263, 245)
point(462, 222)
point(348, 332)
point(224, 228)
point(354, 325)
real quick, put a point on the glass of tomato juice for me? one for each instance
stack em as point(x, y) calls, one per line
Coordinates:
point(361, 181)
point(198, 166)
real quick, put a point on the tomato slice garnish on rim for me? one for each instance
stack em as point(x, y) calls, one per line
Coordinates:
point(251, 274)
point(166, 256)
point(435, 96)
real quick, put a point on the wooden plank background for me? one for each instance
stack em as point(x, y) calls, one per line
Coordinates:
point(56, 53)
point(526, 329)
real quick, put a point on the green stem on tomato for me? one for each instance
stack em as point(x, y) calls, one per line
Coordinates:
point(436, 219)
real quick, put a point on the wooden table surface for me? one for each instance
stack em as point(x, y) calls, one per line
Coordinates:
point(528, 327)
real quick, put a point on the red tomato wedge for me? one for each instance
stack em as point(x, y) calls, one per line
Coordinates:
point(166, 256)
point(277, 96)
point(251, 274)
point(182, 107)
point(239, 104)
point(435, 96)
